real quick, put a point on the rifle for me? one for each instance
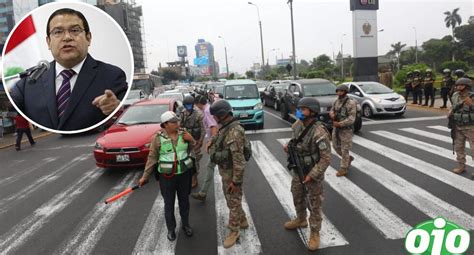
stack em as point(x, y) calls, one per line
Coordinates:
point(452, 126)
point(294, 164)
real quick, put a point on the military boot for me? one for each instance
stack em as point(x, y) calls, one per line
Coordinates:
point(314, 241)
point(231, 239)
point(244, 224)
point(199, 196)
point(460, 169)
point(341, 172)
point(296, 223)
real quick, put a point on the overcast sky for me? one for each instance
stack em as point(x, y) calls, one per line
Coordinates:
point(319, 25)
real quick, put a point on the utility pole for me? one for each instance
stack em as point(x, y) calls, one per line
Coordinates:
point(293, 39)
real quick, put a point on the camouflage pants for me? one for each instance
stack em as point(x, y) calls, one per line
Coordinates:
point(460, 143)
point(342, 144)
point(315, 190)
point(234, 201)
point(197, 155)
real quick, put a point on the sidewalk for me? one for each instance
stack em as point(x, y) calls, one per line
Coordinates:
point(9, 140)
point(437, 104)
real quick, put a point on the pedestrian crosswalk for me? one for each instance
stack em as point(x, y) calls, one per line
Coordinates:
point(375, 210)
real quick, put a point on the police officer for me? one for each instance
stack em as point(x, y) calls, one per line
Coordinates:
point(460, 74)
point(447, 85)
point(192, 121)
point(428, 85)
point(343, 114)
point(417, 88)
point(408, 88)
point(227, 151)
point(463, 115)
point(314, 150)
point(169, 149)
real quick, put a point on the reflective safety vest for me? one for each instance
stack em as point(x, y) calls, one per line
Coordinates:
point(174, 160)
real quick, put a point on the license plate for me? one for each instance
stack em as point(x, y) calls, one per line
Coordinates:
point(123, 158)
point(244, 115)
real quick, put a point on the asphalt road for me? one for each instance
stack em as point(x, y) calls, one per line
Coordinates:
point(51, 196)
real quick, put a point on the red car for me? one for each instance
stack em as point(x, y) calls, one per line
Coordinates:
point(126, 143)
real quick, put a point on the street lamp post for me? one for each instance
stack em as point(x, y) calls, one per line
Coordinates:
point(293, 39)
point(342, 56)
point(226, 62)
point(416, 46)
point(261, 34)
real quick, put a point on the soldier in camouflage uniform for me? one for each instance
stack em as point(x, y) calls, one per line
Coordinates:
point(417, 88)
point(428, 86)
point(314, 151)
point(227, 151)
point(462, 113)
point(446, 87)
point(192, 121)
point(343, 113)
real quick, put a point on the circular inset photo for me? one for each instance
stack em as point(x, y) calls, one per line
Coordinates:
point(67, 66)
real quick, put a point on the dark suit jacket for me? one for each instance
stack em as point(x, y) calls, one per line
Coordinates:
point(37, 100)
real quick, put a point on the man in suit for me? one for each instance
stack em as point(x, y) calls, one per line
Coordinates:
point(77, 91)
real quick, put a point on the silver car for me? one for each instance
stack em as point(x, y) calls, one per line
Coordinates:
point(376, 98)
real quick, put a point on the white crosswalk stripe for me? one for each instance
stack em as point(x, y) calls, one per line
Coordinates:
point(431, 135)
point(280, 181)
point(249, 242)
point(440, 128)
point(443, 175)
point(424, 146)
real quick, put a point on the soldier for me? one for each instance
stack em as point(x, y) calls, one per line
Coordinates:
point(314, 150)
point(169, 150)
point(343, 113)
point(408, 88)
point(417, 90)
point(192, 121)
point(461, 112)
point(227, 151)
point(446, 87)
point(460, 74)
point(428, 85)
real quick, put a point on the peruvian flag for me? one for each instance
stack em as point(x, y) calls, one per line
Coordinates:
point(22, 50)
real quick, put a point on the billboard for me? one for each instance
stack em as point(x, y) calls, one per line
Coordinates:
point(182, 51)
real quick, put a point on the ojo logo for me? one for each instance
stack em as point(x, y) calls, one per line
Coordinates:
point(437, 237)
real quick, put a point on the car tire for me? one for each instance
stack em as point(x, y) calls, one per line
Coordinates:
point(264, 102)
point(367, 111)
point(276, 105)
point(357, 125)
point(284, 112)
point(260, 126)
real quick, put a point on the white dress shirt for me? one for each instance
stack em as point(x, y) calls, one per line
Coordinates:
point(59, 77)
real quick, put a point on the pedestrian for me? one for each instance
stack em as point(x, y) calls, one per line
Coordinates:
point(314, 149)
point(417, 87)
point(210, 125)
point(408, 87)
point(22, 126)
point(461, 112)
point(227, 151)
point(169, 149)
point(447, 85)
point(428, 86)
point(343, 114)
point(1, 125)
point(192, 121)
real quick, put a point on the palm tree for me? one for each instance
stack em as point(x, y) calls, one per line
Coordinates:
point(396, 50)
point(452, 20)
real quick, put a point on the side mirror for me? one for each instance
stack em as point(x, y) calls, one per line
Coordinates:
point(357, 93)
point(296, 94)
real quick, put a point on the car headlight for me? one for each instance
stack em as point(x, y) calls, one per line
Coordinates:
point(98, 146)
point(258, 106)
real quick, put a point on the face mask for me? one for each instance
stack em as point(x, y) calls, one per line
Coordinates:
point(299, 115)
point(188, 107)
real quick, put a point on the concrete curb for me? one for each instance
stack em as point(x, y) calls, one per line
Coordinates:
point(434, 109)
point(25, 140)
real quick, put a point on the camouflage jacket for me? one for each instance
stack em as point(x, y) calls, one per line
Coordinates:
point(347, 111)
point(317, 139)
point(193, 122)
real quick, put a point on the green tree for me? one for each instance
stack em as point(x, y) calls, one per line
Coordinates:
point(250, 74)
point(436, 51)
point(453, 65)
point(170, 75)
point(321, 62)
point(231, 76)
point(452, 19)
point(396, 51)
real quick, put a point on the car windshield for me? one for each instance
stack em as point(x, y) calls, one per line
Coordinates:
point(374, 88)
point(143, 114)
point(241, 92)
point(319, 89)
point(281, 87)
point(219, 89)
point(171, 95)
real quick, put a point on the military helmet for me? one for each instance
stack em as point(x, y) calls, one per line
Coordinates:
point(429, 70)
point(342, 87)
point(459, 72)
point(446, 70)
point(188, 100)
point(464, 81)
point(310, 103)
point(220, 108)
point(416, 71)
point(409, 73)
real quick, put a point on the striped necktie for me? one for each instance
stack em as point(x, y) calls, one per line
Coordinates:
point(62, 98)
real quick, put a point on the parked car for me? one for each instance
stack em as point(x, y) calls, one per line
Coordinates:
point(323, 90)
point(376, 98)
point(274, 92)
point(133, 97)
point(245, 101)
point(126, 143)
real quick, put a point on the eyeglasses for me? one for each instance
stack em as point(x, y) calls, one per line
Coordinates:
point(60, 32)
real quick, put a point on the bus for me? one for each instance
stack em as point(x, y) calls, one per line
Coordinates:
point(146, 82)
